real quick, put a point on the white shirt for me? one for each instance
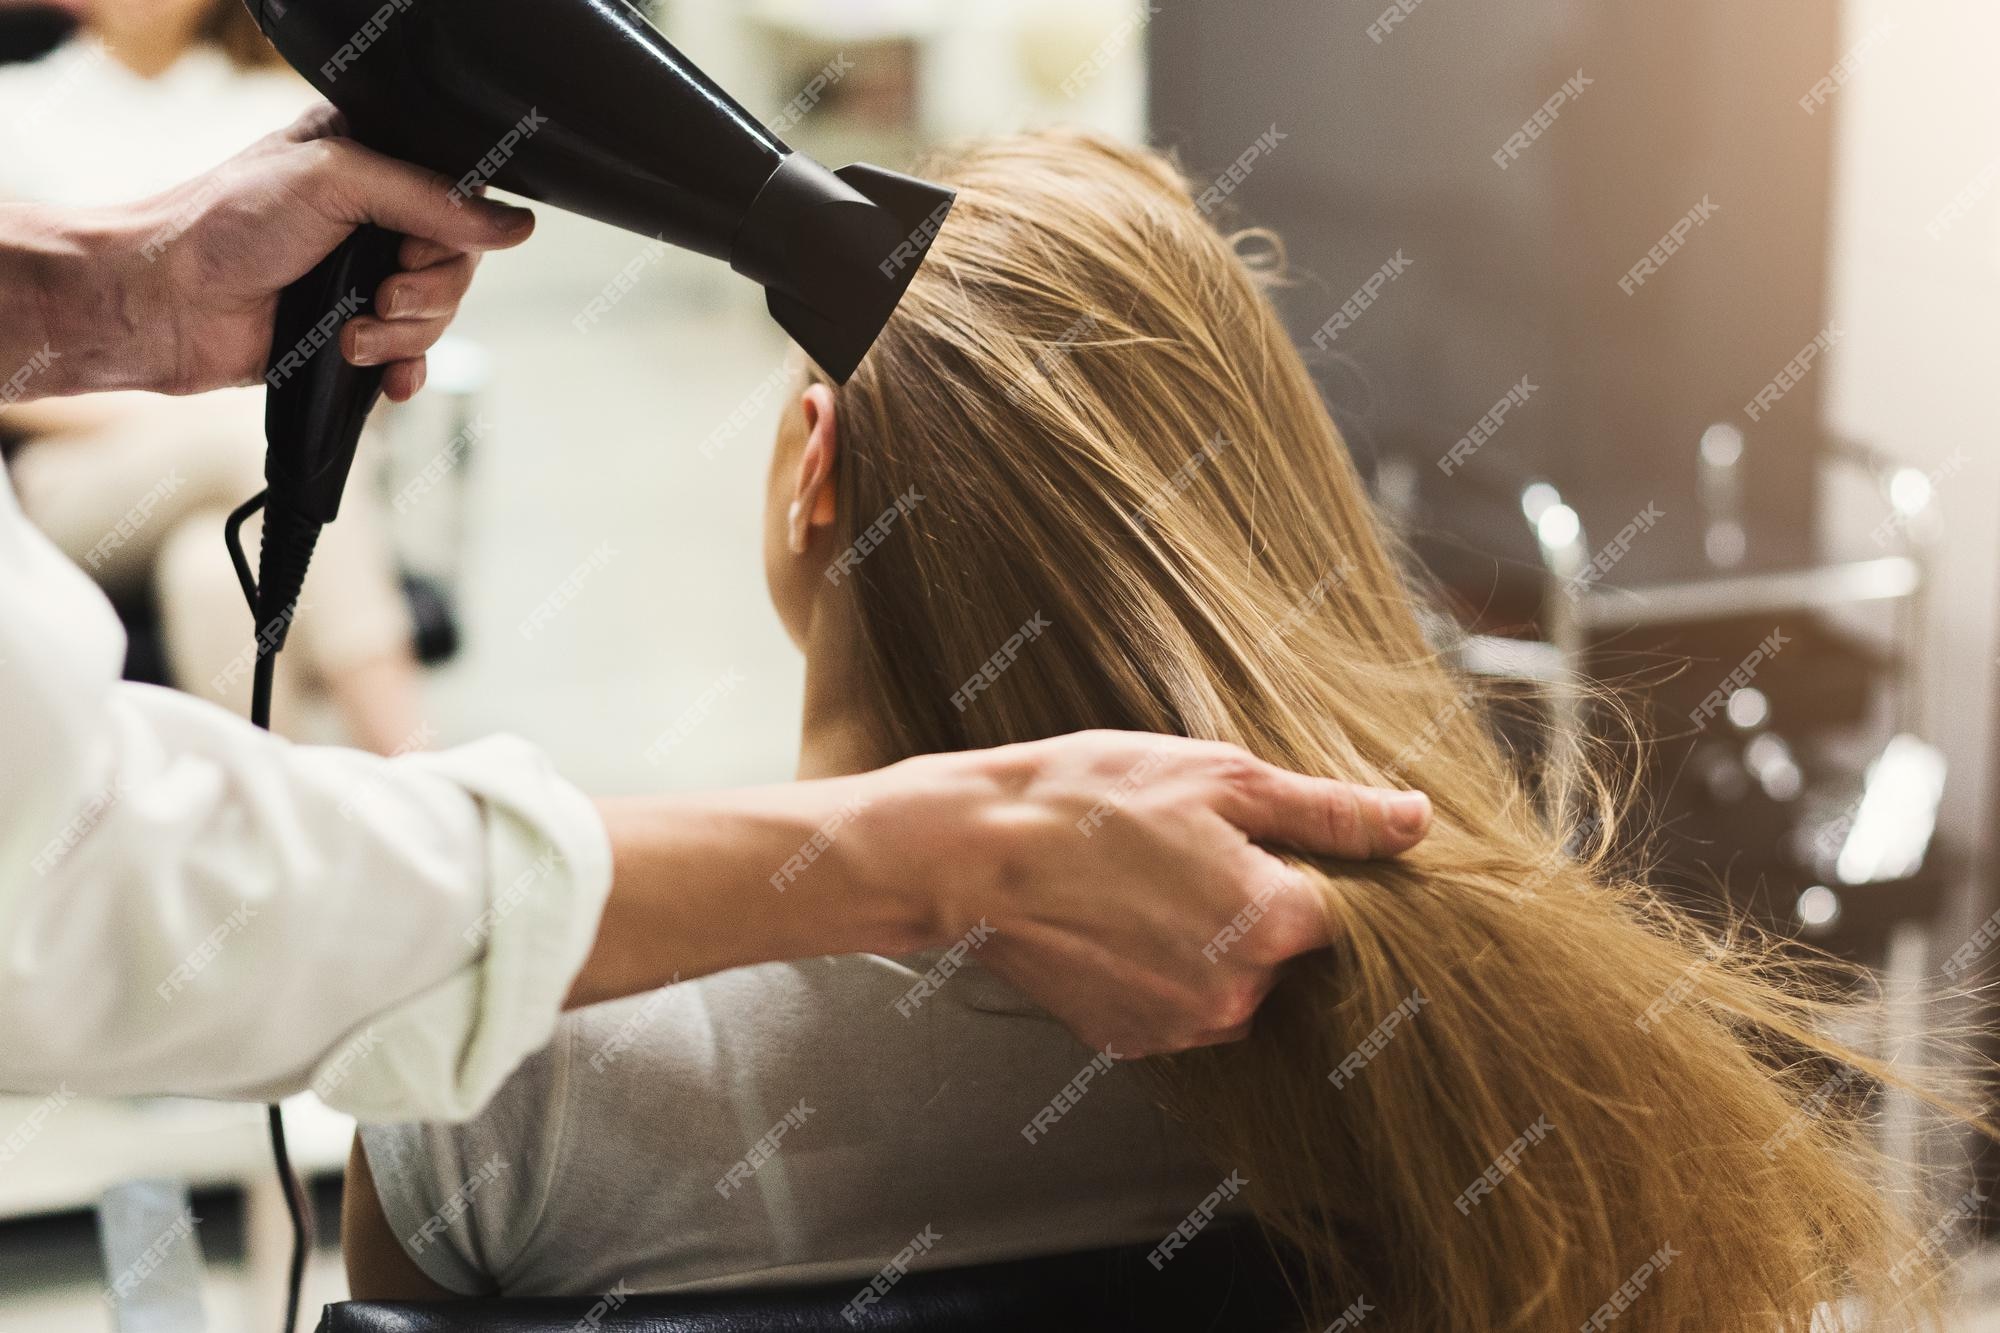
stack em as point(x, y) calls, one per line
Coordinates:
point(787, 1123)
point(78, 128)
point(190, 905)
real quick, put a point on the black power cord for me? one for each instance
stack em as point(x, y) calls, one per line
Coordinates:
point(313, 416)
point(286, 550)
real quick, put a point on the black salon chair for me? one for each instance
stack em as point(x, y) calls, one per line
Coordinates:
point(1224, 1281)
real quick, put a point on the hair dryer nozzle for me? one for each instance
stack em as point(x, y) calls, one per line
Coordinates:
point(835, 251)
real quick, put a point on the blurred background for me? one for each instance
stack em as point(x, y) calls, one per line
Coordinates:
point(1664, 335)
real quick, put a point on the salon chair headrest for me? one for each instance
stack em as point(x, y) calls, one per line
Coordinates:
point(1224, 1281)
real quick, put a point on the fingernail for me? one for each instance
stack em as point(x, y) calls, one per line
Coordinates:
point(514, 219)
point(398, 302)
point(365, 350)
point(1407, 811)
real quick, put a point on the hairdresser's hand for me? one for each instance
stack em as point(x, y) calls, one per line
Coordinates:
point(177, 294)
point(1111, 876)
point(1121, 879)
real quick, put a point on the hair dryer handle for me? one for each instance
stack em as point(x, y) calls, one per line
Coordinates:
point(317, 403)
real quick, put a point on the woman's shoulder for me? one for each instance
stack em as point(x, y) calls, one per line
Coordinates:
point(773, 1008)
point(856, 1030)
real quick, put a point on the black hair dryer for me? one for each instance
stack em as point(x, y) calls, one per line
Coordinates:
point(581, 104)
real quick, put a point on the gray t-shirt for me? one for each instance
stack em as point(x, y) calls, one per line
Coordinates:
point(786, 1123)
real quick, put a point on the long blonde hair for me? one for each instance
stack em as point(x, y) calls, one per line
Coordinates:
point(1520, 1091)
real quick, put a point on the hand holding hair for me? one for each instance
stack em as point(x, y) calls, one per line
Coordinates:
point(1116, 870)
point(1139, 907)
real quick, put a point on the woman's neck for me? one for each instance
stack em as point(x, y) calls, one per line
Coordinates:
point(837, 736)
point(147, 49)
point(835, 747)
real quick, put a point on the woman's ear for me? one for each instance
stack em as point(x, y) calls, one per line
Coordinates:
point(812, 488)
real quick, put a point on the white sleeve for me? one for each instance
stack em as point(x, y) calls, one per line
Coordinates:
point(189, 905)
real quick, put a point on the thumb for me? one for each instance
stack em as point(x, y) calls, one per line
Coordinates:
point(1324, 815)
point(354, 185)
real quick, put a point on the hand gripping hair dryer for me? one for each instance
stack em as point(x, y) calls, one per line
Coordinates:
point(583, 105)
